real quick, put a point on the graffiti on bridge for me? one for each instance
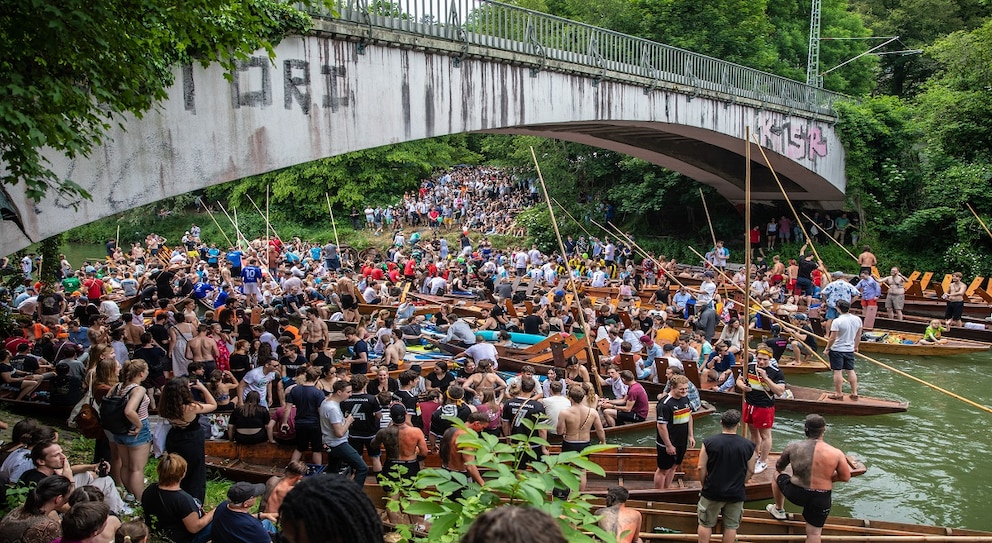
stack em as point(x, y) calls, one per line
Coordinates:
point(796, 138)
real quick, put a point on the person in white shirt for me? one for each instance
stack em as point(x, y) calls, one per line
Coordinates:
point(482, 350)
point(459, 330)
point(555, 403)
point(598, 278)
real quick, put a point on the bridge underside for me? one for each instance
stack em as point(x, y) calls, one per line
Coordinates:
point(699, 154)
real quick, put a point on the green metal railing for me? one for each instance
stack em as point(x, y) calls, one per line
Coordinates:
point(494, 25)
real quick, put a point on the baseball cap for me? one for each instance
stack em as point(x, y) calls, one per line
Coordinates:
point(397, 411)
point(646, 339)
point(800, 316)
point(242, 492)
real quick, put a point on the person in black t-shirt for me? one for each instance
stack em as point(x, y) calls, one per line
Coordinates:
point(307, 399)
point(523, 408)
point(250, 423)
point(726, 462)
point(171, 511)
point(440, 379)
point(454, 406)
point(365, 409)
point(761, 384)
point(360, 352)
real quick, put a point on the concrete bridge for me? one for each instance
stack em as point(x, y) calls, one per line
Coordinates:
point(363, 80)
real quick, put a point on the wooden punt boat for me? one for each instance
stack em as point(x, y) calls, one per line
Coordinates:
point(633, 467)
point(43, 409)
point(803, 400)
point(934, 307)
point(917, 325)
point(673, 517)
point(952, 347)
point(368, 309)
point(460, 306)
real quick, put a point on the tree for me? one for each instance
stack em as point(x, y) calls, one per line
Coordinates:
point(73, 68)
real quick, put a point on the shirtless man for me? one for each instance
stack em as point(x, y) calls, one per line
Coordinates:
point(955, 300)
point(203, 349)
point(619, 519)
point(455, 458)
point(314, 331)
point(575, 424)
point(484, 376)
point(405, 445)
point(395, 353)
point(866, 260)
point(815, 467)
point(895, 298)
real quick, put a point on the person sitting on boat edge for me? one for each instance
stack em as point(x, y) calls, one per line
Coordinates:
point(931, 336)
point(632, 408)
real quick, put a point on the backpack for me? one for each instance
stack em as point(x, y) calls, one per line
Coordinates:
point(112, 416)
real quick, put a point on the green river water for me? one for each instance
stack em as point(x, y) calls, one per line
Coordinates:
point(931, 465)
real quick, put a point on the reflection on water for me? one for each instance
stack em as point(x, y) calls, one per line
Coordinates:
point(931, 465)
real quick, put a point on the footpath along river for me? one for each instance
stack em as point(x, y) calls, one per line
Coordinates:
point(931, 465)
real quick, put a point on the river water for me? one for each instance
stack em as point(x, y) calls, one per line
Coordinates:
point(930, 465)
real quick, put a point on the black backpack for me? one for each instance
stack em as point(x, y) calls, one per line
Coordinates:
point(112, 416)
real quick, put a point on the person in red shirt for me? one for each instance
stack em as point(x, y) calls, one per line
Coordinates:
point(410, 269)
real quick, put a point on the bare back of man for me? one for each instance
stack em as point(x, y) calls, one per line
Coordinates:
point(816, 464)
point(202, 349)
point(412, 443)
point(622, 521)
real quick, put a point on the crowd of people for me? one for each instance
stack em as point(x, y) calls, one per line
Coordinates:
point(262, 366)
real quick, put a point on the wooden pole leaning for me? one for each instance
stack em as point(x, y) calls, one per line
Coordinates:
point(217, 224)
point(333, 225)
point(643, 253)
point(894, 370)
point(747, 257)
point(557, 203)
point(750, 300)
point(264, 218)
point(237, 231)
point(707, 209)
point(787, 199)
point(980, 221)
point(837, 243)
point(591, 357)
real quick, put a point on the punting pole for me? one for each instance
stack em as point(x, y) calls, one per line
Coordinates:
point(218, 226)
point(837, 243)
point(707, 210)
point(980, 221)
point(787, 199)
point(639, 249)
point(557, 203)
point(747, 258)
point(591, 357)
point(264, 217)
point(897, 371)
point(333, 226)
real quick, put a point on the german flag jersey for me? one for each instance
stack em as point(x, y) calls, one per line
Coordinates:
point(675, 414)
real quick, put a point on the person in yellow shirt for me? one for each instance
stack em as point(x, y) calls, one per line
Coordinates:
point(666, 335)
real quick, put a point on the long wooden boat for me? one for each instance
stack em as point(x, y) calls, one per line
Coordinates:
point(460, 306)
point(803, 400)
point(33, 408)
point(892, 342)
point(632, 467)
point(935, 307)
point(683, 518)
point(917, 325)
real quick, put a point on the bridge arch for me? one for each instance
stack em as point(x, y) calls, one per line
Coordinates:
point(349, 87)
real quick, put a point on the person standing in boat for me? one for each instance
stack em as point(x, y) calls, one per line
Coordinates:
point(842, 343)
point(674, 431)
point(726, 462)
point(895, 298)
point(761, 384)
point(815, 467)
point(870, 292)
point(955, 300)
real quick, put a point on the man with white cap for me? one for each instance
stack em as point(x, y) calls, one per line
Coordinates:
point(233, 520)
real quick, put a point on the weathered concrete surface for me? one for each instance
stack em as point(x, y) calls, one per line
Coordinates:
point(321, 98)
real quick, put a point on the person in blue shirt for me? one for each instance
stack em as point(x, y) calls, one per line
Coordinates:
point(233, 520)
point(251, 276)
point(235, 258)
point(202, 290)
point(720, 360)
point(213, 256)
point(222, 296)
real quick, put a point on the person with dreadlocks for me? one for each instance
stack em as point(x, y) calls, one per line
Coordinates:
point(328, 509)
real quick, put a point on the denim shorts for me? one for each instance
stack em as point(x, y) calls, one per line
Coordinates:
point(144, 436)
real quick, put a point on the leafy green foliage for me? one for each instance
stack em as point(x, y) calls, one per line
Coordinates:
point(74, 68)
point(432, 489)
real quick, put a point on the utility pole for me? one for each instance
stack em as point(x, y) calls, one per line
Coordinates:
point(813, 77)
